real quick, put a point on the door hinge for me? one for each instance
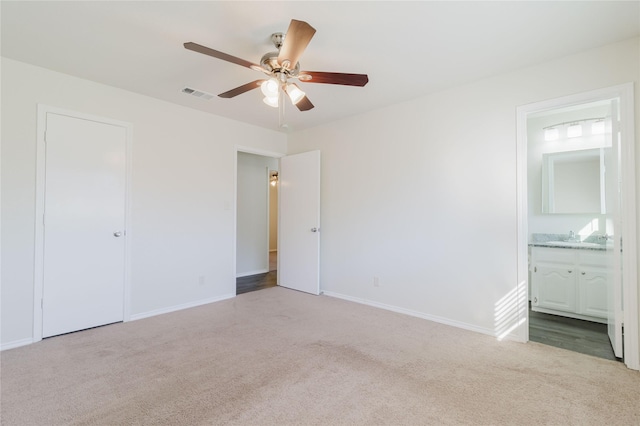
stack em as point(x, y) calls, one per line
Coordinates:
point(535, 269)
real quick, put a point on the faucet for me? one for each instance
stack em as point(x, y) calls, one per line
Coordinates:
point(572, 237)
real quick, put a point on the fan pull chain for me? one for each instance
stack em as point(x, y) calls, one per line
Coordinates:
point(281, 122)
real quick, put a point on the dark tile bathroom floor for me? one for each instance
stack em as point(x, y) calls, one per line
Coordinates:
point(573, 334)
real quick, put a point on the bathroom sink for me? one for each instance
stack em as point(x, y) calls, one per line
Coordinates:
point(574, 244)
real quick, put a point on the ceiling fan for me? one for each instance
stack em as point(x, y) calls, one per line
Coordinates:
point(282, 66)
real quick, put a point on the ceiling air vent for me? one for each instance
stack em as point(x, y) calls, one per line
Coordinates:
point(197, 93)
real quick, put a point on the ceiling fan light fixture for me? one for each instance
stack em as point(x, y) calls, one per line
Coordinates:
point(294, 92)
point(271, 101)
point(270, 88)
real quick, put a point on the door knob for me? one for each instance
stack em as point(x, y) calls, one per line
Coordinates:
point(314, 229)
point(117, 234)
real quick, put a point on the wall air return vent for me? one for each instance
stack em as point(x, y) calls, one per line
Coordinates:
point(197, 93)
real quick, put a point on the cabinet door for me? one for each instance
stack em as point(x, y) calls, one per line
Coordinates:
point(556, 287)
point(593, 292)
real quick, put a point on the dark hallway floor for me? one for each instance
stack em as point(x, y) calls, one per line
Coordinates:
point(256, 282)
point(260, 281)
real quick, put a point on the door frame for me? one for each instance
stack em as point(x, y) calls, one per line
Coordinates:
point(38, 280)
point(255, 151)
point(625, 93)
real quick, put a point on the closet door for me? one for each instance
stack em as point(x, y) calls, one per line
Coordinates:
point(84, 219)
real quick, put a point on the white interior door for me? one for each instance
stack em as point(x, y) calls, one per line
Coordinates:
point(83, 260)
point(299, 227)
point(612, 183)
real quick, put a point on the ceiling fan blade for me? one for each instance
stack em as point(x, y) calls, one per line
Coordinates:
point(304, 104)
point(333, 78)
point(220, 55)
point(296, 40)
point(241, 89)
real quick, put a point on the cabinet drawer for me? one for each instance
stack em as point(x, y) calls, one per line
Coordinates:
point(554, 255)
point(594, 258)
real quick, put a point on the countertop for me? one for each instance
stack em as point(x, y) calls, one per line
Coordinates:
point(569, 245)
point(562, 241)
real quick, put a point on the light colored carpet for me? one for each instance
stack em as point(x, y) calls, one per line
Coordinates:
point(282, 357)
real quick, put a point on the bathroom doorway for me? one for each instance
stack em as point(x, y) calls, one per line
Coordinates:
point(568, 297)
point(574, 177)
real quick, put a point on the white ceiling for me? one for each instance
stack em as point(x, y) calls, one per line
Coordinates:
point(408, 49)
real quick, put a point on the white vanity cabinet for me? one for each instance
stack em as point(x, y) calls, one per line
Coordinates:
point(592, 283)
point(556, 288)
point(569, 282)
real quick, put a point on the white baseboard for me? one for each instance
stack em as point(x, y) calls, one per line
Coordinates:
point(434, 318)
point(28, 341)
point(256, 272)
point(179, 307)
point(16, 344)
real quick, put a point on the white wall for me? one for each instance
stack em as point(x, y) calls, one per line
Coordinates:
point(253, 221)
point(423, 194)
point(182, 192)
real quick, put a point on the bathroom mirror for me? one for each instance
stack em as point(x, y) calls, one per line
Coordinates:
point(573, 182)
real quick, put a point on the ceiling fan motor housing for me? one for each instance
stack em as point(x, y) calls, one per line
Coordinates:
point(270, 63)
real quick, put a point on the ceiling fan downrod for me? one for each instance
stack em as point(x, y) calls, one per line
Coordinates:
point(277, 39)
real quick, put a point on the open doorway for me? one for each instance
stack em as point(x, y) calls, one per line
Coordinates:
point(256, 222)
point(298, 243)
point(571, 226)
point(577, 204)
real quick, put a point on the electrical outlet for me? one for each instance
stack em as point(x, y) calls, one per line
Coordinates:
point(201, 280)
point(376, 282)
